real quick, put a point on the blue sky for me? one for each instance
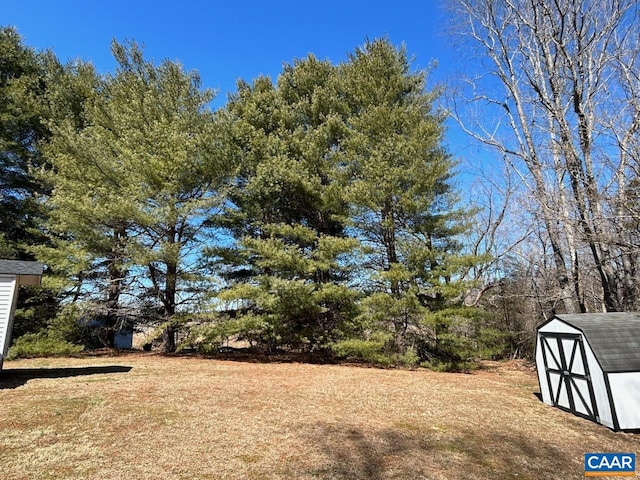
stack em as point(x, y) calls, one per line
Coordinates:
point(229, 40)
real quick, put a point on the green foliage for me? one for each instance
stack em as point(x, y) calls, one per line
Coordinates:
point(67, 325)
point(329, 191)
point(80, 250)
point(294, 313)
point(459, 336)
point(146, 146)
point(36, 309)
point(291, 260)
point(342, 189)
point(6, 249)
point(62, 336)
point(396, 177)
point(371, 350)
point(376, 350)
point(26, 77)
point(493, 343)
point(210, 336)
point(42, 345)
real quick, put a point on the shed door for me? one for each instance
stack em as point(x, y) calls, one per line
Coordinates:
point(568, 374)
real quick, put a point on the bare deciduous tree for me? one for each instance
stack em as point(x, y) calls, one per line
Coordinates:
point(558, 92)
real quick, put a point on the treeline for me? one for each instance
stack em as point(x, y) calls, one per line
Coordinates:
point(319, 211)
point(315, 213)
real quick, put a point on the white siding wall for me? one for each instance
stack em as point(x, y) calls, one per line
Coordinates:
point(8, 294)
point(599, 387)
point(625, 389)
point(557, 326)
point(542, 377)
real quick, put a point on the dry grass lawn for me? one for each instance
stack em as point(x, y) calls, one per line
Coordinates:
point(144, 416)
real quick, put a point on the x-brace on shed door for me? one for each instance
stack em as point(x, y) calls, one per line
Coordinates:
point(567, 372)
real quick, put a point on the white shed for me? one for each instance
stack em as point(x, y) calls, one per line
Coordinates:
point(589, 365)
point(13, 273)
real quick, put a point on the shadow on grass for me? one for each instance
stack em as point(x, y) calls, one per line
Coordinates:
point(16, 377)
point(355, 453)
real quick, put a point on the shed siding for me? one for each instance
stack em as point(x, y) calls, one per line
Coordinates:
point(8, 292)
point(625, 388)
point(599, 386)
point(542, 379)
point(558, 326)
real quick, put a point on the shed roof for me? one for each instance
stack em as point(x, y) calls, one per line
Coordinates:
point(614, 338)
point(20, 267)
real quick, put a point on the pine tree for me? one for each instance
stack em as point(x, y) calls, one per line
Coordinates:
point(397, 178)
point(23, 87)
point(27, 78)
point(133, 185)
point(288, 267)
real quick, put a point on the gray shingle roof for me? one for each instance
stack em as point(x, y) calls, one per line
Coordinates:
point(614, 338)
point(19, 267)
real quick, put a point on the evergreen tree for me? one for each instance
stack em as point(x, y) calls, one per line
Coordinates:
point(26, 79)
point(23, 87)
point(342, 164)
point(288, 265)
point(133, 185)
point(397, 178)
point(88, 214)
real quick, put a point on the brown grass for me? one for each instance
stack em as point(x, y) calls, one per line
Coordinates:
point(187, 417)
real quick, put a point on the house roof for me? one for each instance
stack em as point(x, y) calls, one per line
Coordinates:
point(19, 267)
point(613, 337)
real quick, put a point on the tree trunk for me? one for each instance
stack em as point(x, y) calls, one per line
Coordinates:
point(169, 297)
point(169, 339)
point(115, 276)
point(169, 333)
point(389, 238)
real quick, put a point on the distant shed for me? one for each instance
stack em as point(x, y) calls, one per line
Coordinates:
point(13, 273)
point(589, 365)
